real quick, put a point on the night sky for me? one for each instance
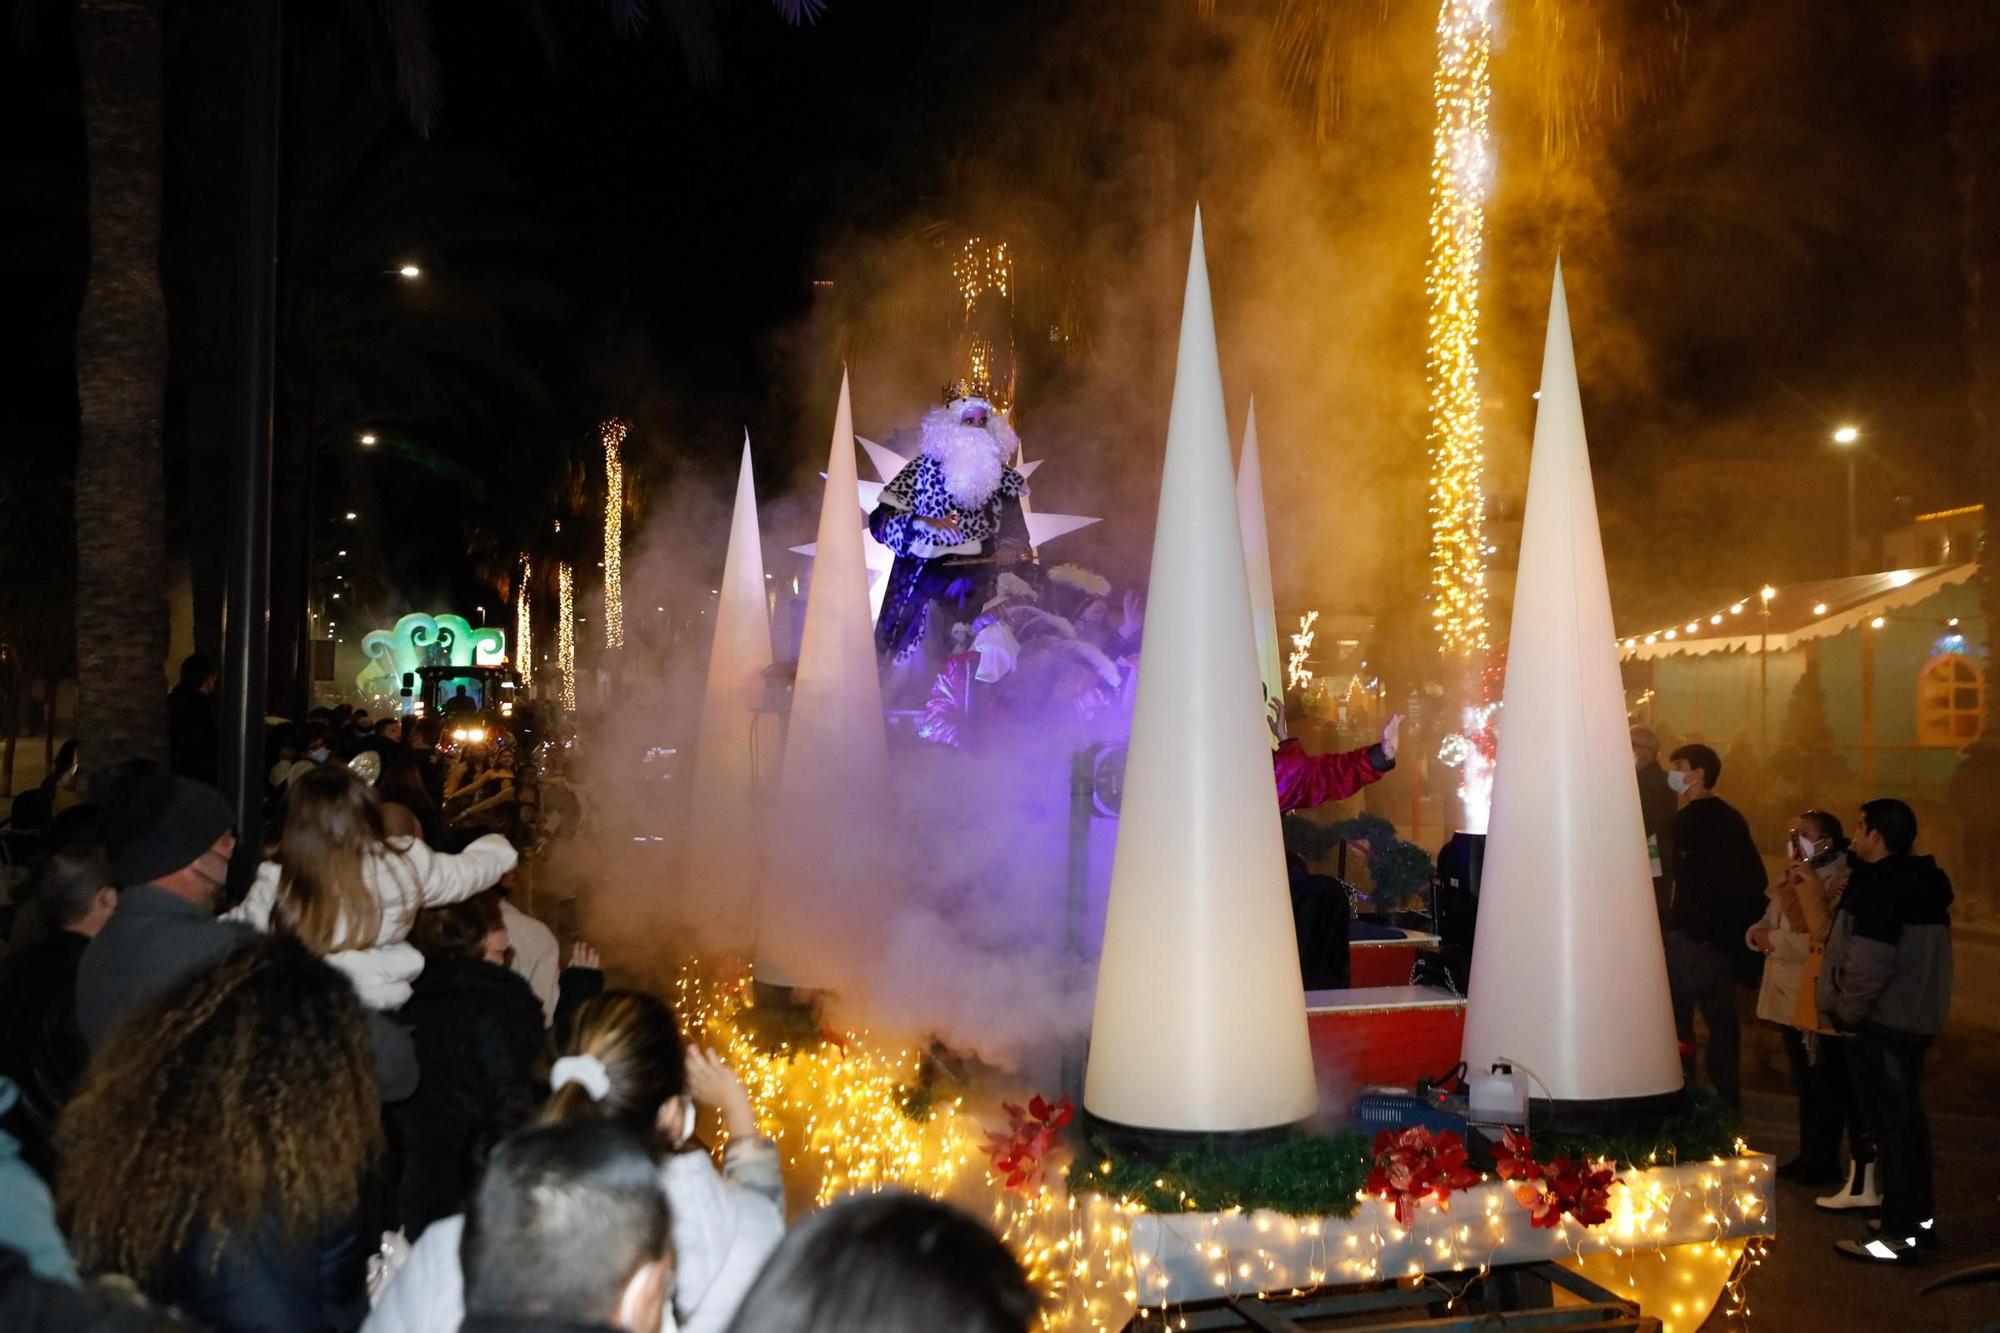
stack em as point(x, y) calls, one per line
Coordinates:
point(1760, 234)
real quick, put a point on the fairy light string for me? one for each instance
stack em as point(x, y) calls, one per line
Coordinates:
point(613, 434)
point(1460, 164)
point(524, 636)
point(836, 1108)
point(566, 634)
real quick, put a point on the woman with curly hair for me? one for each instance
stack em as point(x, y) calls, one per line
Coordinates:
point(341, 885)
point(217, 1148)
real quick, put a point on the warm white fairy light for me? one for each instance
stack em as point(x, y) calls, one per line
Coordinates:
point(524, 628)
point(566, 634)
point(836, 1110)
point(613, 433)
point(1297, 674)
point(1460, 163)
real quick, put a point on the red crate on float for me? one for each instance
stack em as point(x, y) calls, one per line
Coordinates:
point(1390, 1035)
point(1389, 962)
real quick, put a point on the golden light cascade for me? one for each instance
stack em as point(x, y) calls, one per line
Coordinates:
point(1460, 164)
point(613, 433)
point(566, 634)
point(836, 1108)
point(984, 269)
point(524, 635)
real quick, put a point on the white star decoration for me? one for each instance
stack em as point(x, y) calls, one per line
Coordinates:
point(1042, 528)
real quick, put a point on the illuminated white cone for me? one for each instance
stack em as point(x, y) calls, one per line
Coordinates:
point(1200, 1022)
point(1257, 562)
point(720, 881)
point(824, 836)
point(1568, 978)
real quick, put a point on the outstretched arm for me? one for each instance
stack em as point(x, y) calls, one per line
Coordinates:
point(1305, 780)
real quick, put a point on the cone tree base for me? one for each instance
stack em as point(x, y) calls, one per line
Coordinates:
point(1610, 1115)
point(1159, 1145)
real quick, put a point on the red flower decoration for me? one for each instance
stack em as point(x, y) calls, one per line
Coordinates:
point(1412, 1164)
point(1562, 1188)
point(1018, 1154)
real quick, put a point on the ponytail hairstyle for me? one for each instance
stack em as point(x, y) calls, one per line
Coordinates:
point(634, 1037)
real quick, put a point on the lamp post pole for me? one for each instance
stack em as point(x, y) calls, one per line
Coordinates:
point(1847, 437)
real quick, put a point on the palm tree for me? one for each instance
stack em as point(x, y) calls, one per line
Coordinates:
point(121, 617)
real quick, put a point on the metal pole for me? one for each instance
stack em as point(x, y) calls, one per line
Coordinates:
point(247, 627)
point(1853, 528)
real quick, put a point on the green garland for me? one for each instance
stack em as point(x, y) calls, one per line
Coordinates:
point(1706, 1127)
point(1299, 1175)
point(1305, 1176)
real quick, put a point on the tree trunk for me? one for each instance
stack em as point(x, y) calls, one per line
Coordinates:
point(121, 613)
point(1975, 142)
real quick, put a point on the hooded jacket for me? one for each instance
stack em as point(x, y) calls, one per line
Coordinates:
point(1888, 965)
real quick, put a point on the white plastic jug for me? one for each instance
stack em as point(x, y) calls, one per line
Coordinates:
point(1498, 1097)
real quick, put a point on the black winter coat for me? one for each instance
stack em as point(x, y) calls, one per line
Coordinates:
point(266, 1284)
point(480, 1041)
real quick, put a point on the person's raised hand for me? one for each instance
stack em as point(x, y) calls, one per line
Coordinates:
point(713, 1083)
point(582, 955)
point(1134, 616)
point(1392, 736)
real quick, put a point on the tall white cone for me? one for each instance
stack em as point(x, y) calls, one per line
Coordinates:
point(1257, 561)
point(824, 849)
point(1568, 978)
point(1200, 1022)
point(719, 884)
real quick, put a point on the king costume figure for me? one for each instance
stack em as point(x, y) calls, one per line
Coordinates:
point(953, 518)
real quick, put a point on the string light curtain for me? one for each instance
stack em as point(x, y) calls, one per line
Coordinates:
point(614, 432)
point(524, 629)
point(986, 269)
point(1460, 164)
point(566, 634)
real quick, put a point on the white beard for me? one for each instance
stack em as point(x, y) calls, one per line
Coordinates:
point(971, 458)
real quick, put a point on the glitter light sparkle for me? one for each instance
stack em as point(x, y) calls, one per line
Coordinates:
point(566, 634)
point(980, 270)
point(524, 638)
point(1460, 164)
point(1297, 674)
point(613, 433)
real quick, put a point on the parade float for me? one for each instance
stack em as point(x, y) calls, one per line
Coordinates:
point(1203, 1171)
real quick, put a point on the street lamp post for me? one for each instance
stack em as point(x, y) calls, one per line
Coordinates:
point(1764, 674)
point(1846, 437)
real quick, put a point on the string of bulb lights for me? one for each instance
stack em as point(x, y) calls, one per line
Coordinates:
point(613, 433)
point(524, 636)
point(566, 634)
point(1297, 674)
point(1459, 168)
point(840, 1113)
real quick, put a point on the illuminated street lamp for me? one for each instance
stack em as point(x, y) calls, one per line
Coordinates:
point(351, 516)
point(410, 271)
point(367, 437)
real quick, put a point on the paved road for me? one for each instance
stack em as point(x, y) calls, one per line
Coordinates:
point(1804, 1284)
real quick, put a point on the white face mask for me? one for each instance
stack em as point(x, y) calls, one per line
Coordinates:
point(1679, 781)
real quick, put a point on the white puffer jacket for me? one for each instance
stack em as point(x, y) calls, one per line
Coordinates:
point(406, 877)
point(722, 1235)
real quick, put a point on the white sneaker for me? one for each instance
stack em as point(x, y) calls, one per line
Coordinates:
point(1861, 1191)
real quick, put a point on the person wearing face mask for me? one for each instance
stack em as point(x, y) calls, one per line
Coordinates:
point(1791, 935)
point(1719, 882)
point(170, 840)
point(1657, 807)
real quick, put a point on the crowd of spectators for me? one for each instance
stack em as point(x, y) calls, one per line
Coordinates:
point(367, 1090)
